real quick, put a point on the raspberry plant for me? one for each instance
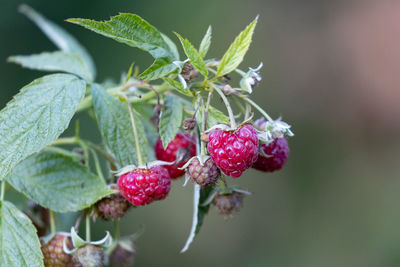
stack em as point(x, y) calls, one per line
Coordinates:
point(155, 125)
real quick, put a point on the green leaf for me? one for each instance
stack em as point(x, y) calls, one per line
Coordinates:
point(214, 116)
point(115, 127)
point(170, 119)
point(132, 30)
point(160, 68)
point(19, 243)
point(36, 116)
point(235, 53)
point(57, 182)
point(199, 212)
point(205, 43)
point(55, 61)
point(61, 38)
point(172, 46)
point(178, 86)
point(194, 56)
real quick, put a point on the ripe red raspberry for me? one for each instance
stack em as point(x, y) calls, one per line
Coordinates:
point(143, 186)
point(177, 147)
point(228, 204)
point(112, 206)
point(53, 252)
point(88, 256)
point(204, 175)
point(234, 151)
point(278, 153)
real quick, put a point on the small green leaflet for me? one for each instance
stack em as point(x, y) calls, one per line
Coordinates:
point(115, 127)
point(57, 182)
point(214, 116)
point(236, 51)
point(19, 243)
point(178, 86)
point(160, 68)
point(199, 212)
point(193, 56)
point(205, 42)
point(170, 119)
point(36, 116)
point(61, 38)
point(55, 61)
point(172, 46)
point(132, 30)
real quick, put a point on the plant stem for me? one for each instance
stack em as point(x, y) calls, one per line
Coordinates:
point(107, 156)
point(135, 134)
point(3, 189)
point(52, 222)
point(85, 151)
point(207, 108)
point(87, 225)
point(97, 164)
point(116, 229)
point(251, 102)
point(65, 141)
point(62, 152)
point(227, 104)
point(87, 101)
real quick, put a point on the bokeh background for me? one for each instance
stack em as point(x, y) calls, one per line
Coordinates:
point(331, 69)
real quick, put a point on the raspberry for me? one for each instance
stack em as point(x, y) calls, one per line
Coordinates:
point(88, 256)
point(112, 206)
point(228, 203)
point(123, 254)
point(176, 148)
point(203, 175)
point(277, 153)
point(234, 151)
point(143, 186)
point(53, 252)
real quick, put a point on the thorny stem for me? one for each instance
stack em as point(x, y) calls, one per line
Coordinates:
point(52, 222)
point(3, 189)
point(228, 106)
point(135, 134)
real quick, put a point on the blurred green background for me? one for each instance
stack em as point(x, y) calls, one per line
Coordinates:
point(330, 70)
